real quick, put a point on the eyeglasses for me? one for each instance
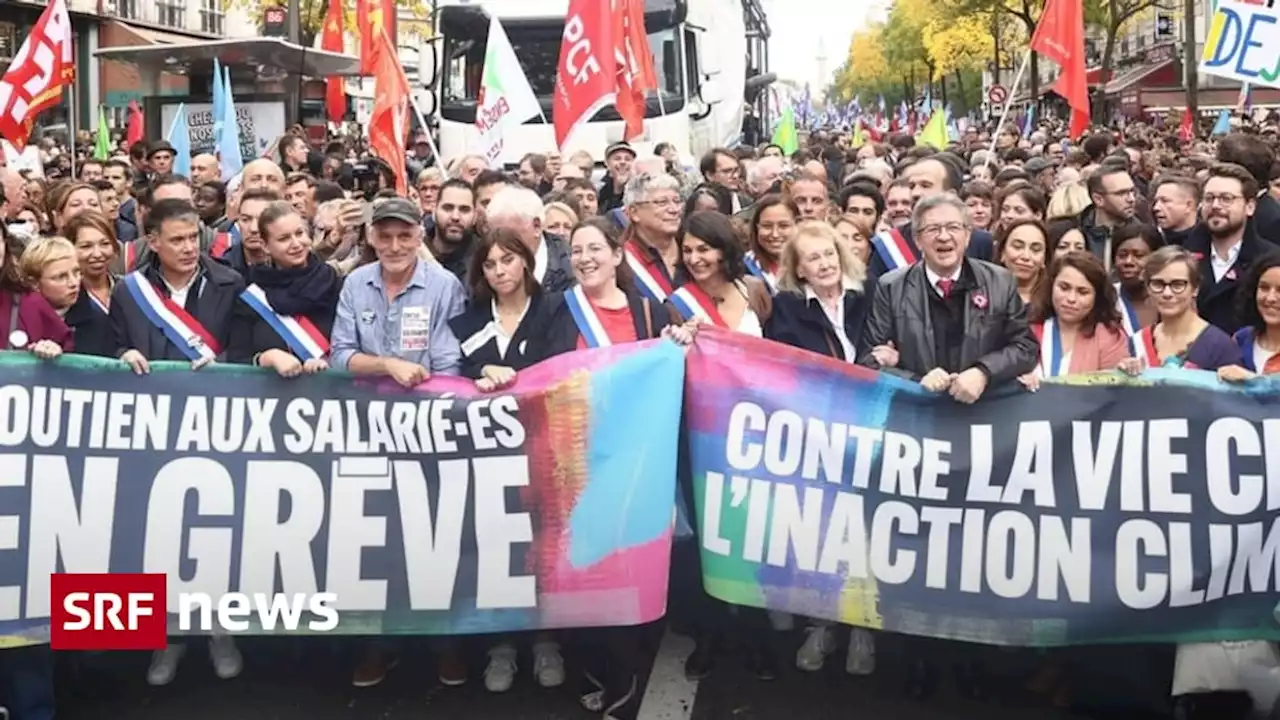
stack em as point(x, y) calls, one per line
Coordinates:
point(662, 203)
point(1156, 286)
point(1127, 192)
point(934, 231)
point(1225, 199)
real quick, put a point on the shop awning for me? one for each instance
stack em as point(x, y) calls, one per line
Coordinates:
point(265, 55)
point(147, 36)
point(1133, 76)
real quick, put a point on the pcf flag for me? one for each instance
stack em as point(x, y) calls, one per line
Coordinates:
point(586, 76)
point(506, 98)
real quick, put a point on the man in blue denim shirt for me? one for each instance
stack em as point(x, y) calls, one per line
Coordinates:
point(393, 315)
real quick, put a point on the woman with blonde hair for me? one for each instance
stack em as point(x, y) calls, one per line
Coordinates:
point(1068, 201)
point(49, 270)
point(68, 199)
point(558, 219)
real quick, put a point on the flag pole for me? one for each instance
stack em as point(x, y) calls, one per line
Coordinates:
point(1017, 80)
point(71, 124)
point(426, 130)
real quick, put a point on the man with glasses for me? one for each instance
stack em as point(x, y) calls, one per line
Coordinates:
point(1225, 242)
point(1115, 201)
point(653, 209)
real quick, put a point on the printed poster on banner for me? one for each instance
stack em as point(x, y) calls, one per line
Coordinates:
point(506, 99)
point(260, 123)
point(1243, 43)
point(439, 510)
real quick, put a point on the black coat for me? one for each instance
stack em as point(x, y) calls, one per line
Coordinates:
point(528, 343)
point(563, 333)
point(997, 338)
point(1266, 219)
point(256, 335)
point(800, 322)
point(559, 275)
point(1216, 302)
point(981, 247)
point(92, 327)
point(211, 302)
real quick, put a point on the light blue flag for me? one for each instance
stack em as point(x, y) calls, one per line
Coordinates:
point(1029, 121)
point(1223, 126)
point(229, 144)
point(217, 104)
point(179, 137)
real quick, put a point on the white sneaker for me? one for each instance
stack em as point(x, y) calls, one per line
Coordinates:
point(820, 643)
point(861, 659)
point(225, 657)
point(500, 674)
point(548, 664)
point(164, 664)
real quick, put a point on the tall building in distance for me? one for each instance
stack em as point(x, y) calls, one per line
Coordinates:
point(824, 70)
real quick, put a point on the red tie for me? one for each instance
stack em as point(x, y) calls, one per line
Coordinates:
point(944, 287)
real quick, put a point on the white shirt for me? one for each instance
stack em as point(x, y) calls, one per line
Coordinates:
point(1222, 265)
point(935, 277)
point(179, 295)
point(1260, 356)
point(539, 261)
point(836, 318)
point(500, 336)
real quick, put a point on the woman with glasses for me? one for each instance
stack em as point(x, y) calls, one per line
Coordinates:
point(1179, 338)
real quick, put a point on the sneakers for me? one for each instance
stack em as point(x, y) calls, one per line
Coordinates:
point(861, 659)
point(225, 657)
point(548, 664)
point(164, 664)
point(501, 671)
point(820, 643)
point(452, 668)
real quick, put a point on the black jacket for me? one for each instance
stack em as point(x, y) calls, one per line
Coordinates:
point(528, 343)
point(997, 338)
point(256, 335)
point(92, 327)
point(800, 322)
point(559, 275)
point(1266, 219)
point(606, 197)
point(1216, 302)
point(211, 302)
point(562, 331)
point(981, 247)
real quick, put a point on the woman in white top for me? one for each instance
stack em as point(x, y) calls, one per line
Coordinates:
point(719, 291)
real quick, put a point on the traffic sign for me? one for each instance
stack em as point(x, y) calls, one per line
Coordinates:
point(997, 94)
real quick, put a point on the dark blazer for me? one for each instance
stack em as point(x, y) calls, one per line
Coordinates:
point(127, 221)
point(211, 302)
point(562, 331)
point(91, 326)
point(997, 338)
point(981, 247)
point(255, 336)
point(1216, 302)
point(528, 343)
point(1266, 219)
point(559, 274)
point(800, 322)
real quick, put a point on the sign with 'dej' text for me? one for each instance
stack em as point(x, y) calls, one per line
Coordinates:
point(1243, 43)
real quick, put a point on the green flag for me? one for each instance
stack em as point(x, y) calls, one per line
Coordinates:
point(785, 136)
point(102, 149)
point(935, 132)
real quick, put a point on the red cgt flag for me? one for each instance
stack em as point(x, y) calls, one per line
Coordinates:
point(389, 120)
point(635, 64)
point(1187, 130)
point(34, 80)
point(1059, 37)
point(372, 17)
point(335, 95)
point(136, 131)
point(586, 78)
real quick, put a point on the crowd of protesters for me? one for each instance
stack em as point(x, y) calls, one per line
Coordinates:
point(1119, 252)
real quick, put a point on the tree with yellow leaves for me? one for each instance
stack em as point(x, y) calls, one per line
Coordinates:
point(314, 11)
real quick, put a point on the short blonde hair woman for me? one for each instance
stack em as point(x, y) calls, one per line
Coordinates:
point(558, 219)
point(793, 276)
point(49, 266)
point(1067, 201)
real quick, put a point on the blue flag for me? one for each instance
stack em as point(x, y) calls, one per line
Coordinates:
point(229, 144)
point(217, 104)
point(1223, 126)
point(179, 136)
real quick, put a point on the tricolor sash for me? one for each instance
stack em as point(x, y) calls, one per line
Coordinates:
point(755, 268)
point(654, 285)
point(894, 249)
point(585, 317)
point(299, 333)
point(1128, 313)
point(1143, 346)
point(130, 255)
point(1052, 355)
point(691, 302)
point(221, 244)
point(184, 331)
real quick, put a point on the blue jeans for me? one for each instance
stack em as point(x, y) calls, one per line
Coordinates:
point(26, 682)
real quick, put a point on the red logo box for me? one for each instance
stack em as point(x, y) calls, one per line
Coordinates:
point(109, 611)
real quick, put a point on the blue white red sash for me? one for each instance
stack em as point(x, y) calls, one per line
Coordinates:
point(184, 331)
point(654, 285)
point(1128, 313)
point(1143, 346)
point(755, 268)
point(691, 302)
point(299, 333)
point(585, 317)
point(130, 255)
point(894, 249)
point(1053, 358)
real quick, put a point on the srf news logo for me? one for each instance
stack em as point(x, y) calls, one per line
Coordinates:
point(115, 611)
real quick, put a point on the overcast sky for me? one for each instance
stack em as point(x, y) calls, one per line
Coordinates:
point(797, 25)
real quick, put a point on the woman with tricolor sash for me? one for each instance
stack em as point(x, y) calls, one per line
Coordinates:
point(94, 238)
point(503, 330)
point(289, 302)
point(719, 292)
point(1179, 338)
point(1131, 245)
point(1022, 247)
point(1074, 317)
point(1259, 335)
point(772, 226)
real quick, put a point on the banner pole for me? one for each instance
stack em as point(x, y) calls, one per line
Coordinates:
point(71, 124)
point(1004, 115)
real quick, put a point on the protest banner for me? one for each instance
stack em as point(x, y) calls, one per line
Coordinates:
point(435, 511)
point(1243, 43)
point(259, 124)
point(1105, 509)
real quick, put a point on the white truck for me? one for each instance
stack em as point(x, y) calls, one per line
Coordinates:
point(700, 57)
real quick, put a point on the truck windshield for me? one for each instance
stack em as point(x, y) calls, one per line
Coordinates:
point(537, 44)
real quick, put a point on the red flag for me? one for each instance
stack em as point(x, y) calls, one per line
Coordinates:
point(1059, 37)
point(335, 95)
point(389, 120)
point(372, 17)
point(136, 131)
point(635, 65)
point(33, 83)
point(1187, 131)
point(586, 77)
